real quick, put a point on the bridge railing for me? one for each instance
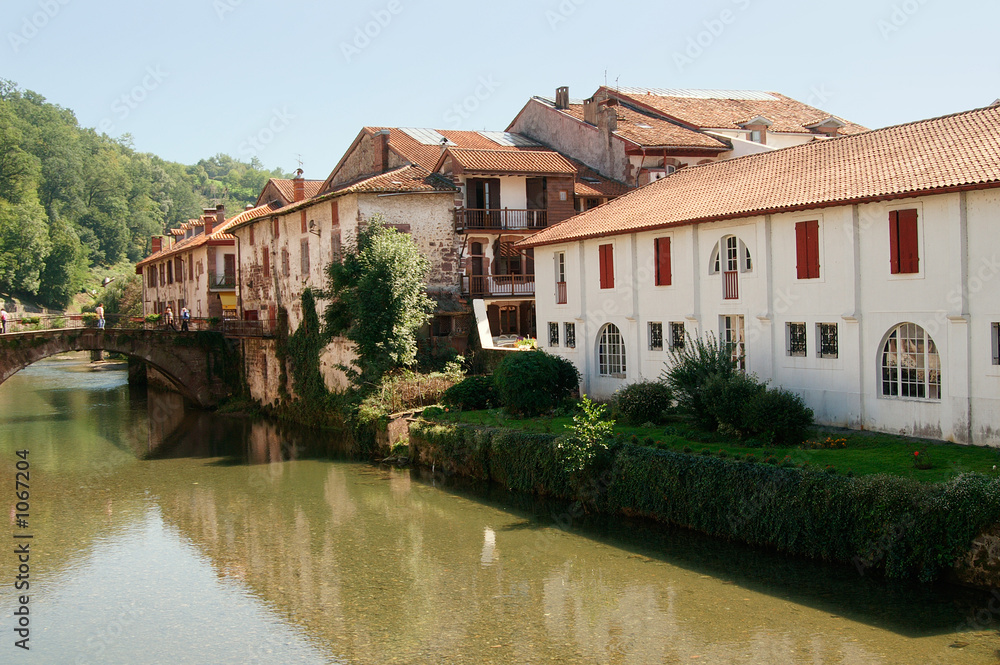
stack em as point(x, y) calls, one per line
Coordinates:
point(231, 328)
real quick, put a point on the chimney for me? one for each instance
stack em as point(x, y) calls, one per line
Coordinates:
point(208, 219)
point(298, 186)
point(381, 150)
point(562, 98)
point(590, 111)
point(220, 214)
point(157, 244)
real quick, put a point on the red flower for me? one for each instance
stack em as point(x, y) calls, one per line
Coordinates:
point(916, 452)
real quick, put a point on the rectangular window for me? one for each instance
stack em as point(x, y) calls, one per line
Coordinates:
point(996, 343)
point(286, 269)
point(807, 249)
point(677, 335)
point(151, 277)
point(553, 334)
point(561, 278)
point(302, 222)
point(796, 339)
point(903, 243)
point(662, 248)
point(251, 236)
point(606, 255)
point(170, 272)
point(570, 335)
point(267, 263)
point(163, 275)
point(179, 269)
point(190, 268)
point(655, 336)
point(304, 256)
point(441, 326)
point(275, 224)
point(826, 334)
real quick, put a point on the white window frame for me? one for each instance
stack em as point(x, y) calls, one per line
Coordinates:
point(611, 352)
point(909, 346)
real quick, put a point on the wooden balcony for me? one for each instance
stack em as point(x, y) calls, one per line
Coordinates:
point(732, 285)
point(505, 219)
point(498, 285)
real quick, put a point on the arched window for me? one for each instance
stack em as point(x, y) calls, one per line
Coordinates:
point(910, 364)
point(730, 255)
point(611, 352)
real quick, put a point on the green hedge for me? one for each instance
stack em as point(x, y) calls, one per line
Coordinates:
point(904, 528)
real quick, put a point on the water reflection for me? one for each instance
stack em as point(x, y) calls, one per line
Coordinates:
point(224, 540)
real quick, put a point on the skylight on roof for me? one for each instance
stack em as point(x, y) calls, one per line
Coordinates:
point(425, 136)
point(509, 139)
point(642, 125)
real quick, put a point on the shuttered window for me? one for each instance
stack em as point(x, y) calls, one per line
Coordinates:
point(903, 244)
point(663, 262)
point(607, 260)
point(807, 249)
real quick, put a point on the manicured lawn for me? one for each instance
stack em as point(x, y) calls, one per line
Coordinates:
point(864, 453)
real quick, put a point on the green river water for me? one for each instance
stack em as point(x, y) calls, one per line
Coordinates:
point(161, 535)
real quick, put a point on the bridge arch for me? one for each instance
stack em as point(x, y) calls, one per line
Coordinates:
point(182, 359)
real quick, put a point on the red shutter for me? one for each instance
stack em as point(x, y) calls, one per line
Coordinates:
point(801, 251)
point(909, 260)
point(807, 249)
point(893, 242)
point(663, 275)
point(607, 260)
point(267, 263)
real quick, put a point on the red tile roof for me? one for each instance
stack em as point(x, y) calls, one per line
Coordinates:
point(427, 155)
point(590, 183)
point(649, 131)
point(219, 234)
point(719, 112)
point(287, 187)
point(955, 152)
point(497, 161)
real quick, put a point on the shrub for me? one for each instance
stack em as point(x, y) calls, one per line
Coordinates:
point(690, 368)
point(474, 393)
point(778, 415)
point(639, 403)
point(726, 397)
point(530, 383)
point(591, 433)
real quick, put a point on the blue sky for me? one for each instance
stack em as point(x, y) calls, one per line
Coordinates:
point(192, 78)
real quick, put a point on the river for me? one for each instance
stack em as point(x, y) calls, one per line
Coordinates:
point(160, 535)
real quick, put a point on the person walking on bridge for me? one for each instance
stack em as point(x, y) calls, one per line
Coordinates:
point(168, 316)
point(185, 319)
point(100, 315)
point(3, 320)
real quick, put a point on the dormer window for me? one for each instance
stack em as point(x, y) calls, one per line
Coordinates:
point(756, 129)
point(829, 126)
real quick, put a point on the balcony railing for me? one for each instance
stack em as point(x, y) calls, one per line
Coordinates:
point(505, 219)
point(221, 282)
point(560, 293)
point(498, 285)
point(732, 285)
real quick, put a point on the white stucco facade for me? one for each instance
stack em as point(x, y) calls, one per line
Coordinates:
point(952, 298)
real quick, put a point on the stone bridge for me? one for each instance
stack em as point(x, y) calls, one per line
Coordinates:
point(196, 363)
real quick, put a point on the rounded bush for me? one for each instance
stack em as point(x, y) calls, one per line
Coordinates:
point(473, 393)
point(780, 415)
point(726, 397)
point(640, 403)
point(530, 383)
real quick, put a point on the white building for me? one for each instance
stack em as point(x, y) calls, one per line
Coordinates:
point(860, 272)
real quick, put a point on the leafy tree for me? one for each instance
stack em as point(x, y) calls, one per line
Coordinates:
point(379, 300)
point(24, 244)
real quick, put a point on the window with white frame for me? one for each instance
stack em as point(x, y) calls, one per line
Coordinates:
point(827, 344)
point(655, 336)
point(560, 278)
point(730, 255)
point(553, 334)
point(611, 352)
point(570, 335)
point(796, 335)
point(677, 335)
point(910, 364)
